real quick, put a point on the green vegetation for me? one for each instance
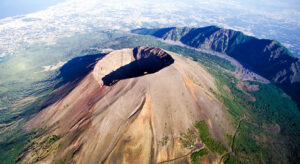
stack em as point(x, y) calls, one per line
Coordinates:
point(25, 85)
point(45, 144)
point(269, 135)
point(13, 140)
point(11, 149)
point(188, 139)
point(257, 139)
point(213, 145)
point(164, 141)
point(196, 155)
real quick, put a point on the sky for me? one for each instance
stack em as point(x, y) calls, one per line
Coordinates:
point(19, 7)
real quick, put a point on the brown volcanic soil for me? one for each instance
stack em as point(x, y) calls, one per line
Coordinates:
point(123, 120)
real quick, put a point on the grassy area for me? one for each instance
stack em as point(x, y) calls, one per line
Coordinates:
point(24, 85)
point(12, 148)
point(164, 141)
point(188, 139)
point(246, 149)
point(213, 145)
point(49, 141)
point(21, 73)
point(255, 141)
point(196, 155)
point(258, 140)
point(271, 107)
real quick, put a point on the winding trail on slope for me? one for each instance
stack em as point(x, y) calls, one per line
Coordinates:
point(200, 146)
point(196, 147)
point(233, 138)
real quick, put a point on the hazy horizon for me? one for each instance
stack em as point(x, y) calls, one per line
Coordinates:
point(9, 8)
point(268, 19)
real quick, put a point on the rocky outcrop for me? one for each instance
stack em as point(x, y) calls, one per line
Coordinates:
point(266, 57)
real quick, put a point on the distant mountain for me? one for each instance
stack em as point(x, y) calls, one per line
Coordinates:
point(266, 57)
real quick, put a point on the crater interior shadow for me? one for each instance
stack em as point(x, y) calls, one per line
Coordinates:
point(148, 62)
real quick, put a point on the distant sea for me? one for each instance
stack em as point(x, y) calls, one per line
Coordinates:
point(10, 8)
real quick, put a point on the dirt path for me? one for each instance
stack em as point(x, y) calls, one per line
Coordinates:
point(196, 147)
point(233, 138)
point(199, 146)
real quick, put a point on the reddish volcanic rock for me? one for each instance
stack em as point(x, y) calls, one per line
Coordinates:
point(125, 122)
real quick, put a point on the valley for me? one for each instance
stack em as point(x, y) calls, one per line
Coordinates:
point(241, 72)
point(268, 58)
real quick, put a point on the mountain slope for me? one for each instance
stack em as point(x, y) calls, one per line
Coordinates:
point(265, 57)
point(134, 107)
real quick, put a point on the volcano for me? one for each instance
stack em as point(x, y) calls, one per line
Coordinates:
point(134, 106)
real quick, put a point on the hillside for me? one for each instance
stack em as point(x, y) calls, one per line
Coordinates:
point(266, 57)
point(234, 121)
point(136, 106)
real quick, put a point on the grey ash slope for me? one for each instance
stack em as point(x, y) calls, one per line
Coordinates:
point(122, 110)
point(266, 57)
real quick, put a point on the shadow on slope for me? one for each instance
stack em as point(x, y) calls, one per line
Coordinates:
point(77, 68)
point(71, 74)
